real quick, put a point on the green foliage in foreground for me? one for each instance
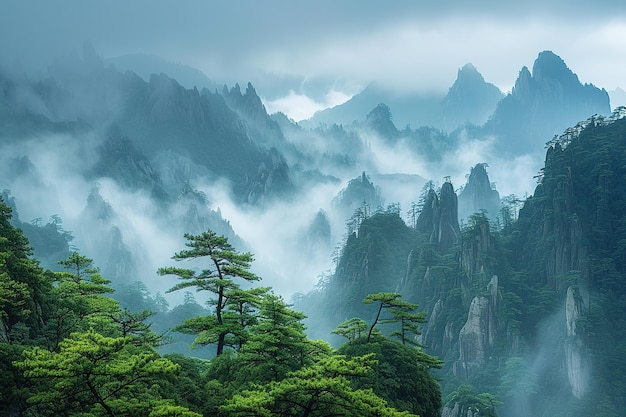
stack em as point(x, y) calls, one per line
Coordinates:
point(400, 374)
point(95, 374)
point(319, 390)
point(67, 348)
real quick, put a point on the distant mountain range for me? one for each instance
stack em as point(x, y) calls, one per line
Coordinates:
point(541, 105)
point(151, 134)
point(469, 100)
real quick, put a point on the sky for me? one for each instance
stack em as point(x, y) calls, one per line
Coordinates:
point(302, 55)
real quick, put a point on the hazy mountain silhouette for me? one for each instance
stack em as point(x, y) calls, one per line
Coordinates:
point(469, 100)
point(542, 104)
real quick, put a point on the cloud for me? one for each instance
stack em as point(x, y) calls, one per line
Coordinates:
point(300, 106)
point(404, 44)
point(511, 176)
point(409, 45)
point(275, 235)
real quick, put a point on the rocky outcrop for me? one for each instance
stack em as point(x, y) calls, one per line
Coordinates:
point(457, 410)
point(359, 194)
point(438, 333)
point(260, 127)
point(576, 360)
point(380, 121)
point(119, 159)
point(272, 180)
point(439, 217)
point(162, 115)
point(476, 245)
point(479, 332)
point(478, 195)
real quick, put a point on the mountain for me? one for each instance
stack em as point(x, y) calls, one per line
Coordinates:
point(439, 217)
point(359, 194)
point(408, 108)
point(478, 195)
point(85, 97)
point(145, 65)
point(379, 120)
point(618, 97)
point(542, 104)
point(470, 100)
point(527, 309)
point(530, 312)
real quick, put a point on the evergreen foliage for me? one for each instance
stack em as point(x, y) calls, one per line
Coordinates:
point(319, 390)
point(226, 264)
point(569, 236)
point(76, 352)
point(400, 374)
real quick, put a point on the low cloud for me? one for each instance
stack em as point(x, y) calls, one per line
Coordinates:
point(300, 106)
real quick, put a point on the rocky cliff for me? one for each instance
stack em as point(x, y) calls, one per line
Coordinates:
point(576, 356)
point(530, 313)
point(439, 217)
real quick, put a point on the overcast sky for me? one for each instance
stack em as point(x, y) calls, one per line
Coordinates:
point(328, 49)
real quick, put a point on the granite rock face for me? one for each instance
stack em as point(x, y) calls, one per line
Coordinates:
point(457, 410)
point(576, 360)
point(439, 217)
point(470, 100)
point(479, 332)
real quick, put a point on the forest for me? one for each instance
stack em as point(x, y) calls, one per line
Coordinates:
point(68, 348)
point(494, 299)
point(523, 306)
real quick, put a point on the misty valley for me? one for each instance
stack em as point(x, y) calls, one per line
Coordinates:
point(175, 250)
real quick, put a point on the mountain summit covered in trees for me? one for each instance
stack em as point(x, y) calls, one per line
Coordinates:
point(169, 251)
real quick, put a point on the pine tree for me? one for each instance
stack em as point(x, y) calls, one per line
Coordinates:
point(277, 343)
point(226, 264)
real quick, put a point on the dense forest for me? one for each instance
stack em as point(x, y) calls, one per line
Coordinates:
point(523, 307)
point(68, 348)
point(524, 310)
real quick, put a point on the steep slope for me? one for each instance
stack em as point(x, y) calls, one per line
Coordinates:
point(84, 97)
point(531, 313)
point(438, 218)
point(568, 247)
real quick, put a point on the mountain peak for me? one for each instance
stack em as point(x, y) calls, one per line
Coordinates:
point(544, 104)
point(523, 83)
point(549, 66)
point(478, 194)
point(380, 120)
point(470, 99)
point(470, 81)
point(469, 72)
